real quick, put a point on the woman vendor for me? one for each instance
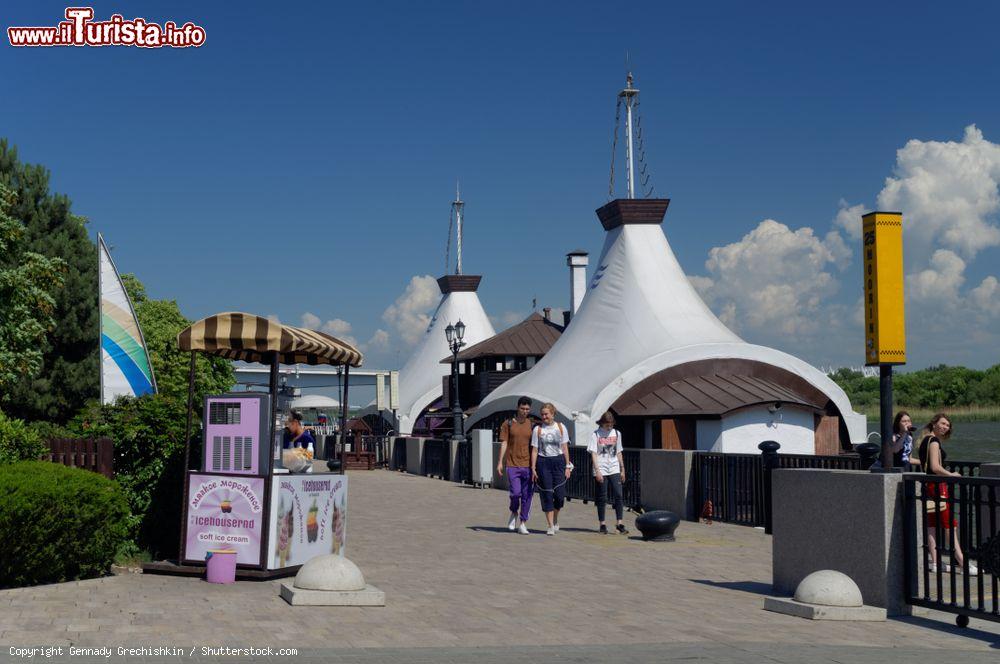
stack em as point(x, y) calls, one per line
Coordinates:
point(296, 435)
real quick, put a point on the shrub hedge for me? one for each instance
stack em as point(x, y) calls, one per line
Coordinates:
point(19, 441)
point(58, 523)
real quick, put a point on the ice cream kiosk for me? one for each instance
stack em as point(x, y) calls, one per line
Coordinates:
point(273, 506)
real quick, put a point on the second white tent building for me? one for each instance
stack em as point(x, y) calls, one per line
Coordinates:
point(644, 345)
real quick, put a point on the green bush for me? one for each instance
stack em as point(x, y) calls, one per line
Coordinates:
point(19, 441)
point(59, 523)
point(148, 434)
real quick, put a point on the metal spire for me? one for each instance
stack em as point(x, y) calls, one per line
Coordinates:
point(456, 207)
point(629, 94)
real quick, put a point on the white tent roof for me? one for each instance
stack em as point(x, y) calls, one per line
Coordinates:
point(640, 316)
point(420, 378)
point(315, 401)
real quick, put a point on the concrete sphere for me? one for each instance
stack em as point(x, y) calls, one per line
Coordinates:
point(829, 588)
point(329, 572)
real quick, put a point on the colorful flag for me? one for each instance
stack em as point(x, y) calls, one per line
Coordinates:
point(125, 366)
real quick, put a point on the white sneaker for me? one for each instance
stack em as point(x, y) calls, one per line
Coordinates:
point(523, 529)
point(973, 570)
point(555, 527)
point(551, 531)
point(512, 524)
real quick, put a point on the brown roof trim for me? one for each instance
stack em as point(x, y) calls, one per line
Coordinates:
point(623, 211)
point(452, 283)
point(534, 335)
point(711, 388)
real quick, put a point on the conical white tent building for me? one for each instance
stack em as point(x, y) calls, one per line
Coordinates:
point(420, 379)
point(644, 345)
point(420, 383)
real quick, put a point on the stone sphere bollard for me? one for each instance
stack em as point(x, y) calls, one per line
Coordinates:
point(658, 525)
point(828, 587)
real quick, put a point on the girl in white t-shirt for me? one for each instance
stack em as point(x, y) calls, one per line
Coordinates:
point(609, 469)
point(550, 466)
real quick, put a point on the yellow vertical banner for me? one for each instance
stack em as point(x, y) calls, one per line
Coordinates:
point(885, 318)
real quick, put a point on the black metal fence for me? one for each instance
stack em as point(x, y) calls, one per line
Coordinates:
point(462, 472)
point(377, 445)
point(581, 483)
point(399, 454)
point(436, 458)
point(952, 533)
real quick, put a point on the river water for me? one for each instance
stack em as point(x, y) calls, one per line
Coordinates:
point(970, 441)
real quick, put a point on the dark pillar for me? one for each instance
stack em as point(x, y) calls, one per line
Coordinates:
point(343, 414)
point(187, 460)
point(885, 412)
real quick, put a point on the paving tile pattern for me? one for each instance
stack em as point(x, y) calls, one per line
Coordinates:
point(455, 579)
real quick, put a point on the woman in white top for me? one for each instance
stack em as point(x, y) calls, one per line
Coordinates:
point(550, 466)
point(609, 469)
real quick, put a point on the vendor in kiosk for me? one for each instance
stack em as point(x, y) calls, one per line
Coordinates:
point(296, 435)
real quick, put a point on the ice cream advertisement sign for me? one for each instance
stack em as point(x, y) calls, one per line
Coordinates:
point(224, 512)
point(309, 518)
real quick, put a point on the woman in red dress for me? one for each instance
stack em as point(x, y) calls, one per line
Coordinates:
point(932, 458)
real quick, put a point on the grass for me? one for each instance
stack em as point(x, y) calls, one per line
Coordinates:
point(921, 416)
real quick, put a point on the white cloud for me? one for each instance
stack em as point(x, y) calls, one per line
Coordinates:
point(781, 286)
point(409, 315)
point(947, 192)
point(849, 219)
point(379, 341)
point(774, 278)
point(507, 319)
point(940, 281)
point(335, 327)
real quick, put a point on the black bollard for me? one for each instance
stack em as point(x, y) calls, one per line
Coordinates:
point(869, 453)
point(769, 461)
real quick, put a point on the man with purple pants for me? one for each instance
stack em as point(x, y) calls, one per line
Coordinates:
point(515, 452)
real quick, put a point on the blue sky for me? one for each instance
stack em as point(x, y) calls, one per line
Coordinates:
point(303, 160)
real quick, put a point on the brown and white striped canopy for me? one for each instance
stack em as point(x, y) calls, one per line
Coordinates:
point(239, 336)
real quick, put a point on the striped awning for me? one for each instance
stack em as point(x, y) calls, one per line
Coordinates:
point(239, 336)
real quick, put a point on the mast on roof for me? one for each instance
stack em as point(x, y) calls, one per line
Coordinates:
point(456, 207)
point(628, 95)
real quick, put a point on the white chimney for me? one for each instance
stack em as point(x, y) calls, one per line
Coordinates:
point(577, 262)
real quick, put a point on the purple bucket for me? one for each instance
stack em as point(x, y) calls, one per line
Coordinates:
point(220, 566)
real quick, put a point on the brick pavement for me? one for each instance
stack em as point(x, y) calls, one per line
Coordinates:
point(455, 578)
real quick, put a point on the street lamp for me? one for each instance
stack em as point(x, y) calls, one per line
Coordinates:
point(455, 333)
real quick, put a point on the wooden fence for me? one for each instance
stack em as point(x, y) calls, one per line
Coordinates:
point(95, 454)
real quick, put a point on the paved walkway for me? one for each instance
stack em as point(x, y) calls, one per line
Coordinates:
point(455, 578)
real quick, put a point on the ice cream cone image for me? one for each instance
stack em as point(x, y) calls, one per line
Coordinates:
point(312, 527)
point(338, 529)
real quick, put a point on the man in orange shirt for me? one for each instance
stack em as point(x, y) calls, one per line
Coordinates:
point(515, 452)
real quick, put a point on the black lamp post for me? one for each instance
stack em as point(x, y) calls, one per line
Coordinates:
point(455, 334)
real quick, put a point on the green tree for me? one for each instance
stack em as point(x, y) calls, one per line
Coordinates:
point(68, 376)
point(161, 321)
point(28, 282)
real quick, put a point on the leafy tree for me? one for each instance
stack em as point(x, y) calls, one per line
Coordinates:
point(70, 356)
point(28, 282)
point(161, 321)
point(148, 433)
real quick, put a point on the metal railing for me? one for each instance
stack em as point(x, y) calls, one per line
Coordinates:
point(377, 445)
point(964, 468)
point(399, 454)
point(462, 472)
point(730, 488)
point(581, 483)
point(942, 517)
point(436, 458)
